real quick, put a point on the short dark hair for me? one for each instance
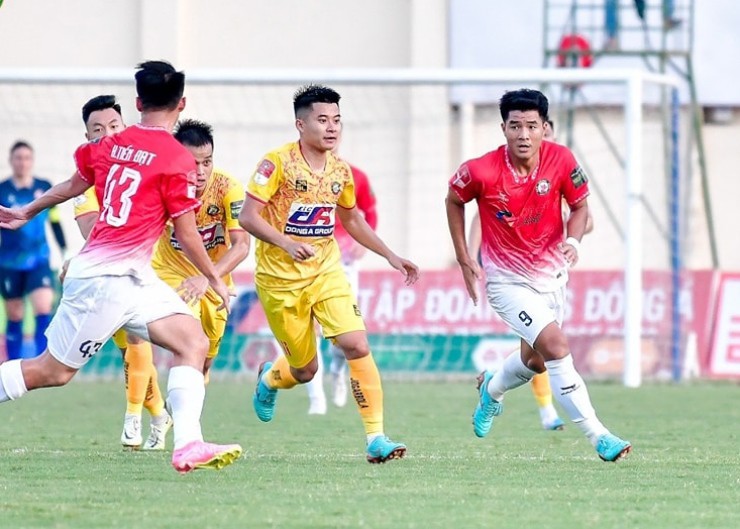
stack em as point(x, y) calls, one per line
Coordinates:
point(158, 85)
point(523, 100)
point(100, 103)
point(306, 96)
point(194, 133)
point(552, 125)
point(20, 144)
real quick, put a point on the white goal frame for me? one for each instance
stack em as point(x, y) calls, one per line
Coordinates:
point(635, 81)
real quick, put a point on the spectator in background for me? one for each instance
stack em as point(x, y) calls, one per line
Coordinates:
point(24, 253)
point(611, 19)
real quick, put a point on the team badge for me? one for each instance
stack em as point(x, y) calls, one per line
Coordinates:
point(462, 177)
point(578, 177)
point(264, 172)
point(236, 208)
point(542, 187)
point(212, 210)
point(301, 186)
point(336, 187)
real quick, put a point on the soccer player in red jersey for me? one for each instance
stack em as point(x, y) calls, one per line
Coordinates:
point(351, 252)
point(143, 177)
point(526, 254)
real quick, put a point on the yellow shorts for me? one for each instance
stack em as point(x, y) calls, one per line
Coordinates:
point(329, 299)
point(213, 321)
point(120, 339)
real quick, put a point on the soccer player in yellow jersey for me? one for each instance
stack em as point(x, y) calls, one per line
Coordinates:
point(102, 117)
point(291, 203)
point(227, 244)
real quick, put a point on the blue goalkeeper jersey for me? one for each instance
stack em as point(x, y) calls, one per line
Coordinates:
point(27, 247)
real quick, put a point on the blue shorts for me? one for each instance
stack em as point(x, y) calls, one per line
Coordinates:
point(17, 283)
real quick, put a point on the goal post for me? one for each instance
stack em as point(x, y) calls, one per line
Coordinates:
point(410, 127)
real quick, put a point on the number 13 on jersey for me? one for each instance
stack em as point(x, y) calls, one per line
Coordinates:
point(121, 185)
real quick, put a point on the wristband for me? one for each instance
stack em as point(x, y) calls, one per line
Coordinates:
point(575, 243)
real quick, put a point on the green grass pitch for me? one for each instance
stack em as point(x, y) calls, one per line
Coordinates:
point(61, 465)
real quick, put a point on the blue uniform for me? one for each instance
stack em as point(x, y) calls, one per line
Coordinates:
point(24, 253)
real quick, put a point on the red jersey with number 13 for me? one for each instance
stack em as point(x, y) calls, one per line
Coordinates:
point(142, 178)
point(521, 216)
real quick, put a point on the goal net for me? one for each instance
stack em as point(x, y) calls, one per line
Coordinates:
point(630, 302)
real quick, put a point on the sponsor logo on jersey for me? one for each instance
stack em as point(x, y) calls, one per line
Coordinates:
point(236, 208)
point(578, 177)
point(264, 172)
point(310, 220)
point(212, 235)
point(336, 187)
point(542, 187)
point(301, 186)
point(462, 177)
point(213, 210)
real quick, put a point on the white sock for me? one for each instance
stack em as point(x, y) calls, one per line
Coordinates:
point(548, 414)
point(186, 391)
point(570, 391)
point(315, 387)
point(513, 373)
point(338, 366)
point(12, 384)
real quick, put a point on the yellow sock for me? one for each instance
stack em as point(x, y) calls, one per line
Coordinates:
point(139, 360)
point(368, 392)
point(541, 389)
point(153, 402)
point(279, 375)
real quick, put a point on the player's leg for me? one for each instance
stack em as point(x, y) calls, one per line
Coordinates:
point(75, 334)
point(543, 396)
point(165, 320)
point(41, 294)
point(315, 387)
point(338, 366)
point(12, 287)
point(342, 322)
point(572, 394)
point(213, 322)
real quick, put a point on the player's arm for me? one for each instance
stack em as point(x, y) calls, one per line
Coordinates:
point(56, 228)
point(192, 245)
point(360, 230)
point(236, 254)
point(455, 208)
point(14, 218)
point(575, 229)
point(86, 222)
point(251, 220)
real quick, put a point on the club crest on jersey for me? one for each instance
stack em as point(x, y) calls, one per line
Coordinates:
point(336, 187)
point(310, 220)
point(542, 187)
point(212, 210)
point(264, 172)
point(462, 177)
point(301, 186)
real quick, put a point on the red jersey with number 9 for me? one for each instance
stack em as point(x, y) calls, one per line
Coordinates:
point(142, 176)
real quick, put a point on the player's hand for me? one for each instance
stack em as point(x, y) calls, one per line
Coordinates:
point(299, 251)
point(12, 218)
point(63, 271)
point(222, 291)
point(570, 252)
point(409, 270)
point(192, 289)
point(472, 276)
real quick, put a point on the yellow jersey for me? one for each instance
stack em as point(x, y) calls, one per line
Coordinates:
point(86, 203)
point(221, 204)
point(300, 203)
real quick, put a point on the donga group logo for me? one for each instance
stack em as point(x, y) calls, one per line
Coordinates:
point(310, 220)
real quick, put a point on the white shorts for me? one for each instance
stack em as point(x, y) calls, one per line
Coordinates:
point(353, 276)
point(92, 309)
point(526, 310)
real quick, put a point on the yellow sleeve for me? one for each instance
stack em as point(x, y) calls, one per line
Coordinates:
point(233, 202)
point(54, 215)
point(86, 203)
point(347, 199)
point(266, 179)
